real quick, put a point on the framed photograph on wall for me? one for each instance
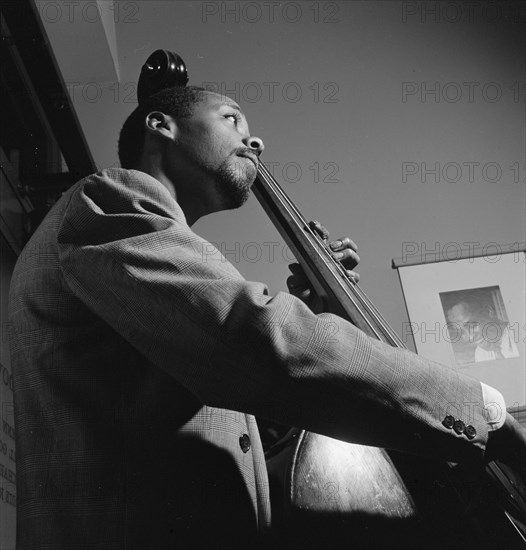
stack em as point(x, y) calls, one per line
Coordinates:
point(466, 309)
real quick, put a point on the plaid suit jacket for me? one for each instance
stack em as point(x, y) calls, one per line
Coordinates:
point(135, 344)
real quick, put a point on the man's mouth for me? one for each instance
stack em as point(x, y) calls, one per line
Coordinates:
point(250, 157)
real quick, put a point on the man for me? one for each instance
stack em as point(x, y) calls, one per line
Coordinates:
point(139, 360)
point(477, 326)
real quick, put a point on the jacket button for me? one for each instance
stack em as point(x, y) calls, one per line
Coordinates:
point(244, 443)
point(448, 421)
point(470, 432)
point(459, 427)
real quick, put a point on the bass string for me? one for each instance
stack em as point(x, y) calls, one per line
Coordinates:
point(272, 187)
point(351, 289)
point(343, 281)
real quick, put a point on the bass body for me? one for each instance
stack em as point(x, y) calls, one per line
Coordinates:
point(327, 493)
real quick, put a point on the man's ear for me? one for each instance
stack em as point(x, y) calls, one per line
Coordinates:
point(160, 124)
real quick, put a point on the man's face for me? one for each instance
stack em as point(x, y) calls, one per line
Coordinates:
point(214, 156)
point(462, 326)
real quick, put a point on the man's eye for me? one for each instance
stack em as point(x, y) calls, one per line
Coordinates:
point(233, 116)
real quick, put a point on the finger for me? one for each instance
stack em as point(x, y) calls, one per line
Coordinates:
point(355, 277)
point(319, 229)
point(298, 279)
point(298, 288)
point(344, 242)
point(295, 282)
point(347, 257)
point(297, 271)
point(295, 268)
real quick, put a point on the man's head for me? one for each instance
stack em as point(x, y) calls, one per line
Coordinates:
point(474, 323)
point(198, 142)
point(177, 102)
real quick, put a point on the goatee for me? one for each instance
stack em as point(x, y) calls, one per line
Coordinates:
point(234, 182)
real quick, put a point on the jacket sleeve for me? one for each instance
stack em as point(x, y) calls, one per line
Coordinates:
point(128, 254)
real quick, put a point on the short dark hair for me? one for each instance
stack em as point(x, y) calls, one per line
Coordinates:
point(177, 102)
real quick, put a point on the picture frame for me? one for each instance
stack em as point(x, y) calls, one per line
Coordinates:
point(466, 309)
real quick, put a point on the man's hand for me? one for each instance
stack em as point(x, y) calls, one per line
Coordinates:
point(344, 250)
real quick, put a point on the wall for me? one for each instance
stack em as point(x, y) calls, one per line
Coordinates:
point(7, 443)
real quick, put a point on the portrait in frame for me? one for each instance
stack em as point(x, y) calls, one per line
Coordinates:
point(466, 309)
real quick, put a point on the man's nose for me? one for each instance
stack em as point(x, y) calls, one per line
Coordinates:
point(255, 143)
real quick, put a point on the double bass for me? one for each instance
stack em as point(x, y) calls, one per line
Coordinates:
point(327, 493)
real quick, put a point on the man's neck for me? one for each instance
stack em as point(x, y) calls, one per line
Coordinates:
point(192, 209)
point(159, 175)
